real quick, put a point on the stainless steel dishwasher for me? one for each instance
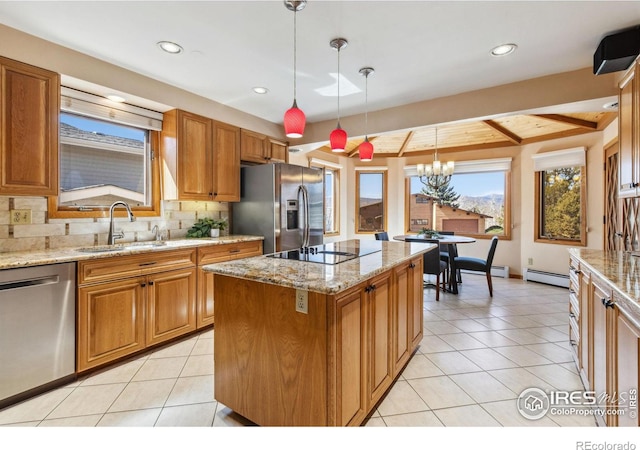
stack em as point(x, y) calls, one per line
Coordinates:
point(37, 329)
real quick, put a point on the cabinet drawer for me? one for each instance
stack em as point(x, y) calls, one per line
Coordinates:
point(574, 305)
point(106, 269)
point(227, 252)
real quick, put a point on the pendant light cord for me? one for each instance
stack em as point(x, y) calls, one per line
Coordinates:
point(294, 53)
point(366, 105)
point(436, 155)
point(338, 87)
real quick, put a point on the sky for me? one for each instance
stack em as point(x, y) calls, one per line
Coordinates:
point(102, 127)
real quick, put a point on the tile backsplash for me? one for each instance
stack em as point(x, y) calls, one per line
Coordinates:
point(44, 233)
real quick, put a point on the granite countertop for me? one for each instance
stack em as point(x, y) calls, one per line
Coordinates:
point(13, 260)
point(323, 278)
point(621, 270)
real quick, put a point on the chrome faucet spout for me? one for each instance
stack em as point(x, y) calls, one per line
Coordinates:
point(112, 234)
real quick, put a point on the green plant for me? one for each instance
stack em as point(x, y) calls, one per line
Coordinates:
point(429, 233)
point(202, 227)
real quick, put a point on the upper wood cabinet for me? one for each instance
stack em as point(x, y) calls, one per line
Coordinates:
point(29, 105)
point(200, 158)
point(628, 133)
point(258, 148)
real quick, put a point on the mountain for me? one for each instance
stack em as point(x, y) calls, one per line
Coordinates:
point(490, 204)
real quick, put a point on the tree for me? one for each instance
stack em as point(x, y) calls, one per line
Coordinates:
point(561, 207)
point(445, 194)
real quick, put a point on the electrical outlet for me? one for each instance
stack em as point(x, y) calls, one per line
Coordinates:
point(302, 301)
point(530, 261)
point(20, 216)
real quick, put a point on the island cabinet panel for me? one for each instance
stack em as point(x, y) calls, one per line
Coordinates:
point(379, 316)
point(111, 321)
point(585, 326)
point(171, 305)
point(29, 107)
point(408, 317)
point(270, 360)
point(347, 376)
point(601, 342)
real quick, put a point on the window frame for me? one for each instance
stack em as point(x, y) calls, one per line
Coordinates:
point(507, 208)
point(539, 215)
point(56, 211)
point(369, 171)
point(336, 169)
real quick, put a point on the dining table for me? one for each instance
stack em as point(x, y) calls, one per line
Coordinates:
point(450, 240)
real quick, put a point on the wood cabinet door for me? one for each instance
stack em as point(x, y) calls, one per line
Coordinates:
point(111, 322)
point(627, 370)
point(278, 151)
point(586, 327)
point(29, 105)
point(195, 152)
point(601, 343)
point(226, 163)
point(416, 305)
point(253, 147)
point(379, 312)
point(350, 347)
point(401, 320)
point(204, 313)
point(628, 135)
point(171, 304)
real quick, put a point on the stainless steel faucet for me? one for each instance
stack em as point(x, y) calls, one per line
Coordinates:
point(119, 235)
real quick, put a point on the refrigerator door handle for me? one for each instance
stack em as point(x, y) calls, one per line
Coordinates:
point(306, 230)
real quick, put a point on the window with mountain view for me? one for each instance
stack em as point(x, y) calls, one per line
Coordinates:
point(471, 204)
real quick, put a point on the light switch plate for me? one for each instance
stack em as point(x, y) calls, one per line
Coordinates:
point(20, 216)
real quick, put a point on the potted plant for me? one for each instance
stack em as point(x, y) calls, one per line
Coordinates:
point(429, 233)
point(207, 227)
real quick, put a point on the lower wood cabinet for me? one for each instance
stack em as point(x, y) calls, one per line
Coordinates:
point(137, 301)
point(609, 343)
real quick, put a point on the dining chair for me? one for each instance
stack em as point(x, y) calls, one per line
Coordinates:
point(382, 236)
point(479, 265)
point(432, 265)
point(444, 251)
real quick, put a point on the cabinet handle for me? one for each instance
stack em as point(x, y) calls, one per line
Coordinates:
point(576, 271)
point(147, 264)
point(571, 291)
point(368, 289)
point(573, 342)
point(608, 303)
point(411, 266)
point(572, 315)
point(373, 287)
point(150, 283)
point(143, 284)
point(235, 251)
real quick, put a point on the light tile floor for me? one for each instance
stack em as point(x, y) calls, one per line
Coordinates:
point(477, 355)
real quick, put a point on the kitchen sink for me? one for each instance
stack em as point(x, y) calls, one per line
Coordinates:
point(122, 247)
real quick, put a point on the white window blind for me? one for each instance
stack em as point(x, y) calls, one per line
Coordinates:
point(480, 165)
point(572, 157)
point(83, 103)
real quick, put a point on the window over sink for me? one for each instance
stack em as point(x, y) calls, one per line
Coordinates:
point(107, 153)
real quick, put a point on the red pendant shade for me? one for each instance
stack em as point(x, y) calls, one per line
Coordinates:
point(366, 150)
point(294, 122)
point(338, 139)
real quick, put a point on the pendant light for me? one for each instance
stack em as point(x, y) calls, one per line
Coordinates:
point(365, 150)
point(338, 137)
point(294, 118)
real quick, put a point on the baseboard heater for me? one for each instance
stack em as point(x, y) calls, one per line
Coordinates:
point(540, 276)
point(496, 271)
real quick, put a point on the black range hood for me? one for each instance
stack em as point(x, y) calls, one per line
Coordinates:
point(617, 51)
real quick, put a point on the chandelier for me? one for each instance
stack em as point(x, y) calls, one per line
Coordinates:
point(437, 174)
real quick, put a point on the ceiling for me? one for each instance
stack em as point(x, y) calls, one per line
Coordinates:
point(420, 50)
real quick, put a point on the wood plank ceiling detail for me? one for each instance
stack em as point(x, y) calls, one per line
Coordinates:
point(484, 134)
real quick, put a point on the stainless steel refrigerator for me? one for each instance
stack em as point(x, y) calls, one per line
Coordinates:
point(283, 203)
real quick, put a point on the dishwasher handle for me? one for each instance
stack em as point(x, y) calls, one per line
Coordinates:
point(12, 285)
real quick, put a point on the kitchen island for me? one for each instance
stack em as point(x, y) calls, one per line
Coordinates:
point(308, 343)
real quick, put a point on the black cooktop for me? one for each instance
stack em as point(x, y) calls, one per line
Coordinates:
point(333, 253)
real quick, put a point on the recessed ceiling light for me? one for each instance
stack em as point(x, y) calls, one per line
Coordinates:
point(504, 49)
point(115, 98)
point(260, 90)
point(170, 47)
